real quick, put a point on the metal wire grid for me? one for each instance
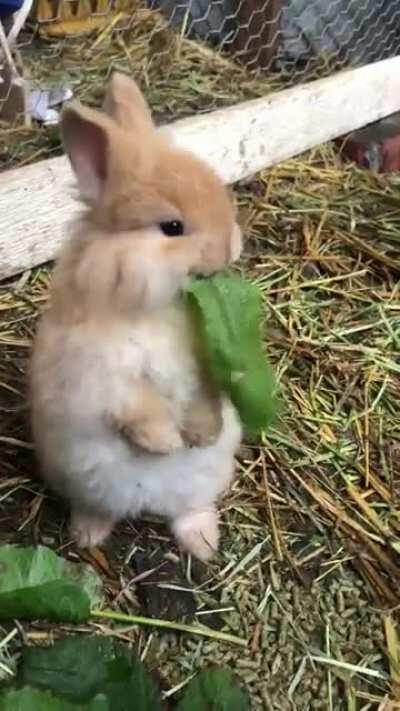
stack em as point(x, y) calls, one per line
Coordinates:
point(291, 36)
point(290, 40)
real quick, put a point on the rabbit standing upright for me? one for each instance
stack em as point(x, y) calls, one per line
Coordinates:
point(124, 417)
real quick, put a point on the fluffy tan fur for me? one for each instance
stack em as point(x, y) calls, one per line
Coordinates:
point(122, 408)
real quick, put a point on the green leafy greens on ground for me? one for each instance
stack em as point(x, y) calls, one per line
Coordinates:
point(36, 583)
point(100, 674)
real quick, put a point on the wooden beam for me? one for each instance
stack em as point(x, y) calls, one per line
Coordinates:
point(37, 204)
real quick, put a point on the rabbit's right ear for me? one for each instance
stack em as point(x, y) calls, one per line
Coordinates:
point(125, 103)
point(87, 135)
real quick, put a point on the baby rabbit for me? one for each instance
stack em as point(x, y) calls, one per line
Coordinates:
point(124, 417)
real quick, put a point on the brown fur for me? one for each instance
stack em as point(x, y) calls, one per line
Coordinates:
point(101, 271)
point(150, 424)
point(115, 284)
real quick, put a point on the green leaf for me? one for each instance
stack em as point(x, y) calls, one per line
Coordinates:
point(228, 309)
point(27, 699)
point(35, 583)
point(214, 690)
point(78, 668)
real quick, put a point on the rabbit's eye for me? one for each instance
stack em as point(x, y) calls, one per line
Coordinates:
point(172, 229)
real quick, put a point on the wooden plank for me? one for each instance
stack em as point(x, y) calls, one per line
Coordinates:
point(37, 204)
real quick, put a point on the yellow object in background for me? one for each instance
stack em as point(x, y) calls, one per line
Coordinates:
point(66, 18)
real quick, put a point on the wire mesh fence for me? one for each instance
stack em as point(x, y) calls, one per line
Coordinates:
point(289, 36)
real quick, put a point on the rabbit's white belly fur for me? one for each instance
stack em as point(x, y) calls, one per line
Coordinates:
point(83, 374)
point(113, 479)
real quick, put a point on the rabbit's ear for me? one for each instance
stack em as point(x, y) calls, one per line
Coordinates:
point(125, 103)
point(86, 136)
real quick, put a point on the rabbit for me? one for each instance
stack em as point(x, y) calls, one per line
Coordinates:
point(125, 419)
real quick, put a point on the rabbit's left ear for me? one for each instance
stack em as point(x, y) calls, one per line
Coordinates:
point(125, 103)
point(88, 141)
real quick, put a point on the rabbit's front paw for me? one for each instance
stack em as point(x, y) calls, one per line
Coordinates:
point(203, 423)
point(196, 437)
point(155, 437)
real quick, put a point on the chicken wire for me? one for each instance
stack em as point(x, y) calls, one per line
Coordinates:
point(291, 36)
point(292, 40)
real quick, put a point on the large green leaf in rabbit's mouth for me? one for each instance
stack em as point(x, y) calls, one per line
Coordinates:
point(229, 310)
